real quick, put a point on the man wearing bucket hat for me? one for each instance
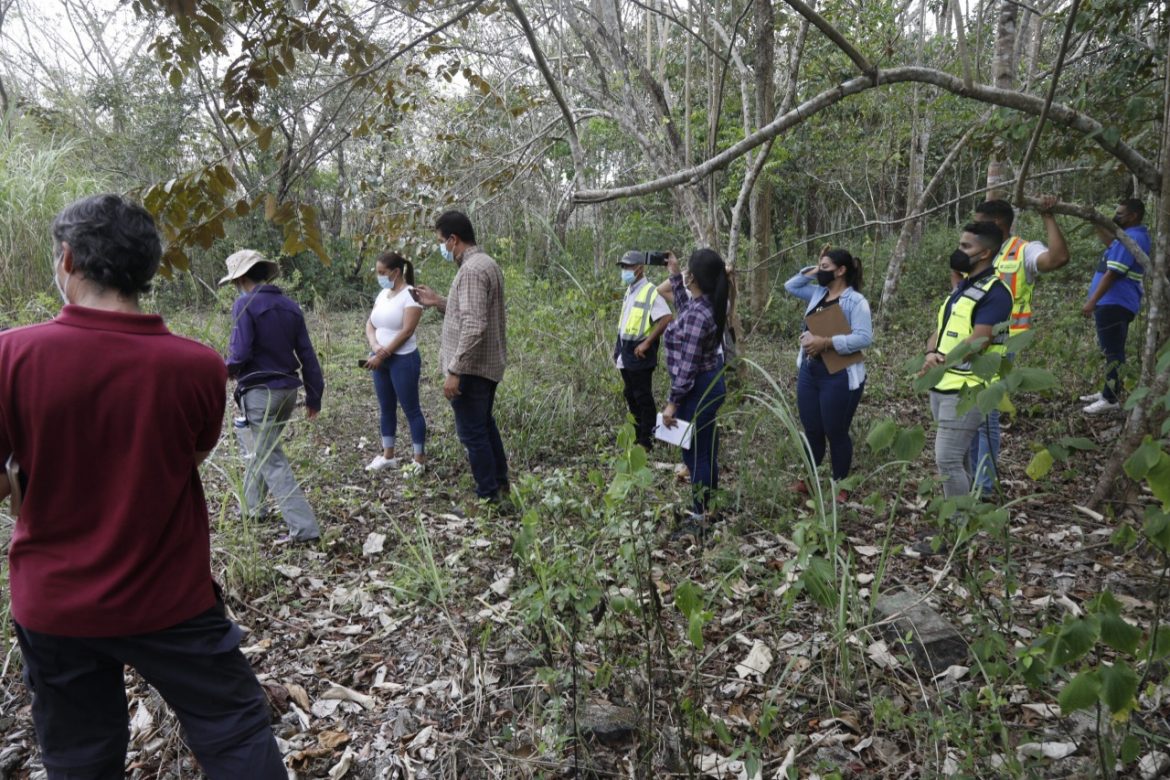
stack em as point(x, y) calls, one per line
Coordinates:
point(269, 347)
point(645, 316)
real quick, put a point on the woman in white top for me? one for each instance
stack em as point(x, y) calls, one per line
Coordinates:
point(394, 359)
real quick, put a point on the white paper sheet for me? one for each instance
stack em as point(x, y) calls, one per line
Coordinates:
point(679, 435)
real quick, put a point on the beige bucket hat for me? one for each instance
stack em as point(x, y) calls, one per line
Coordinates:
point(238, 264)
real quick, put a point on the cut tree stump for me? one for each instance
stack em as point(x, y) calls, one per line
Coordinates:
point(934, 644)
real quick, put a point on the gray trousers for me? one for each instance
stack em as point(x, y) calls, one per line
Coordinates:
point(268, 411)
point(952, 441)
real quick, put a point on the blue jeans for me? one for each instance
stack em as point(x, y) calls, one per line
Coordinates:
point(698, 407)
point(1112, 331)
point(826, 406)
point(475, 425)
point(984, 454)
point(396, 382)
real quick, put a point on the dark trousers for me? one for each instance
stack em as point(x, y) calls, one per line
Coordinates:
point(79, 699)
point(826, 406)
point(639, 394)
point(475, 425)
point(1112, 331)
point(698, 408)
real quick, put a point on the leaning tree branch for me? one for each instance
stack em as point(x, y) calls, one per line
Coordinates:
point(822, 24)
point(1035, 139)
point(1081, 123)
point(553, 87)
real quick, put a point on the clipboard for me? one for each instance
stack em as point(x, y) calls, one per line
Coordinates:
point(830, 321)
point(679, 435)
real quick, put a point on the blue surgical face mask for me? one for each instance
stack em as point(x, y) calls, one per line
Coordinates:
point(628, 276)
point(385, 282)
point(447, 254)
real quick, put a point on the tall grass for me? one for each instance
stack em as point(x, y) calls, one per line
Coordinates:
point(37, 178)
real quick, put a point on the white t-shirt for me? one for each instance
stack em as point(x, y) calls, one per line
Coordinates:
point(389, 308)
point(1032, 252)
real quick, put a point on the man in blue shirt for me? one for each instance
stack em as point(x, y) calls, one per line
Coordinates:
point(269, 347)
point(1115, 296)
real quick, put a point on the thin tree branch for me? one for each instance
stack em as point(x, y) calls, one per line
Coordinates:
point(831, 33)
point(1035, 139)
point(1085, 125)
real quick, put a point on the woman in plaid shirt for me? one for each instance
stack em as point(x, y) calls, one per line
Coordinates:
point(694, 359)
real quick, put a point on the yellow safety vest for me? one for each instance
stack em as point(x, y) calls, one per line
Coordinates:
point(1009, 265)
point(637, 324)
point(956, 326)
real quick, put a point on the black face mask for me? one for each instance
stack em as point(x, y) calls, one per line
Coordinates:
point(962, 262)
point(825, 278)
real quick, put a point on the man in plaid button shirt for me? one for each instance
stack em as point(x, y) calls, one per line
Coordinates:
point(472, 350)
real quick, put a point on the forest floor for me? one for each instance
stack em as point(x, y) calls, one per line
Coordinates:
point(427, 638)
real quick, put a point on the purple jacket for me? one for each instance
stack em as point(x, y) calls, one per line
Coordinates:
point(270, 344)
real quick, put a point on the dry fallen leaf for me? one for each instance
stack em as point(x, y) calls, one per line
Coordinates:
point(1054, 750)
point(342, 693)
point(298, 694)
point(374, 543)
point(757, 663)
point(332, 739)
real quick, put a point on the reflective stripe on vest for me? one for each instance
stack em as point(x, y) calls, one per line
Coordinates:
point(1009, 265)
point(637, 323)
point(957, 327)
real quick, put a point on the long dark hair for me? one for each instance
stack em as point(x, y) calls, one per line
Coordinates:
point(392, 261)
point(851, 264)
point(710, 274)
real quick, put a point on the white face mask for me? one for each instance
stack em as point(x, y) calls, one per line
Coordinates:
point(628, 276)
point(385, 282)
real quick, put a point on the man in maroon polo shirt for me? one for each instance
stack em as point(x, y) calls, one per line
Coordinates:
point(109, 416)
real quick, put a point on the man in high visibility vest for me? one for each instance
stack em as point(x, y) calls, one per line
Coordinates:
point(1019, 264)
point(974, 313)
point(645, 316)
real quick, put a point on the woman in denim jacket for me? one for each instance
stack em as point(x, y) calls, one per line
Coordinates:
point(826, 401)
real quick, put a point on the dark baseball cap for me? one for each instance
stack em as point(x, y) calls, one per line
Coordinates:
point(633, 257)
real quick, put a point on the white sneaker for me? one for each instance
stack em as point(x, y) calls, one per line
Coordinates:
point(1101, 406)
point(381, 462)
point(1090, 398)
point(414, 469)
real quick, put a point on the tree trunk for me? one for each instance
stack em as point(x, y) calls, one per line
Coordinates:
point(761, 205)
point(1003, 77)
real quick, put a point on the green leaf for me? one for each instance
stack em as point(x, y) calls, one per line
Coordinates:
point(688, 597)
point(1039, 466)
point(1118, 685)
point(1119, 634)
point(1076, 638)
point(881, 435)
point(1035, 379)
point(1078, 443)
point(990, 396)
point(1158, 479)
point(1144, 458)
point(1157, 528)
point(695, 629)
point(1080, 693)
point(1158, 646)
point(1131, 747)
point(909, 442)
